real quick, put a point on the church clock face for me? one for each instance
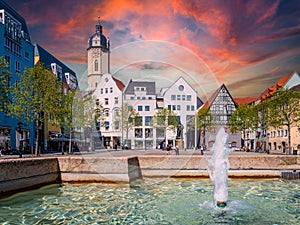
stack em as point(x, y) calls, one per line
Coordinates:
point(96, 52)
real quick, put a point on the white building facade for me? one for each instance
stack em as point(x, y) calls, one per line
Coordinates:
point(109, 94)
point(142, 97)
point(183, 100)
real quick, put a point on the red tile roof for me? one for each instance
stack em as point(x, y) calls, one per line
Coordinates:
point(244, 101)
point(119, 83)
point(273, 89)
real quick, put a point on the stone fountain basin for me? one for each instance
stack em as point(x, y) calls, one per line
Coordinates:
point(27, 173)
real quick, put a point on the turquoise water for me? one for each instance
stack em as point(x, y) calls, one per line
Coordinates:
point(156, 201)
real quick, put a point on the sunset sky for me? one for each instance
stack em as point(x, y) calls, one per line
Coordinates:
point(248, 45)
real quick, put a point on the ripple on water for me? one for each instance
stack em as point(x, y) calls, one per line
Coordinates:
point(150, 201)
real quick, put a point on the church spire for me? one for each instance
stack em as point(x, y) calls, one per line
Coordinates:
point(98, 26)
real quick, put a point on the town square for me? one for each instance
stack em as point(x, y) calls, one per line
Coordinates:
point(142, 112)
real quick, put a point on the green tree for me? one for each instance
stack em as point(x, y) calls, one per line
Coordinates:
point(128, 117)
point(244, 118)
point(204, 121)
point(88, 114)
point(166, 119)
point(5, 76)
point(36, 97)
point(284, 110)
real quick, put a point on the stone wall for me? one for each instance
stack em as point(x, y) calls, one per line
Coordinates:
point(99, 169)
point(240, 166)
point(21, 174)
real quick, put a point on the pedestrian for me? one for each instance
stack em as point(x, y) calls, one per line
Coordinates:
point(177, 150)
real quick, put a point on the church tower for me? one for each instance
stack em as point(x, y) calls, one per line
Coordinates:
point(98, 53)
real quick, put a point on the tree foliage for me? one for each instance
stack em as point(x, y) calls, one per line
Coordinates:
point(5, 76)
point(245, 117)
point(166, 119)
point(128, 117)
point(204, 118)
point(36, 97)
point(284, 110)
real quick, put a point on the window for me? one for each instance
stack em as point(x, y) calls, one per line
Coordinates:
point(116, 100)
point(96, 65)
point(148, 120)
point(117, 126)
point(131, 98)
point(148, 133)
point(106, 90)
point(169, 107)
point(143, 97)
point(147, 108)
point(173, 107)
point(26, 55)
point(188, 108)
point(188, 97)
point(138, 133)
point(181, 88)
point(192, 108)
point(107, 113)
point(106, 101)
point(106, 125)
point(17, 67)
point(111, 90)
point(149, 98)
point(183, 97)
point(178, 97)
point(285, 133)
point(178, 107)
point(130, 108)
point(140, 108)
point(7, 59)
point(173, 97)
point(101, 91)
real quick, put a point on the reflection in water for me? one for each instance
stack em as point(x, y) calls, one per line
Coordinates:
point(155, 201)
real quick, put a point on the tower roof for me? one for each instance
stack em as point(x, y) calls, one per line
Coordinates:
point(98, 39)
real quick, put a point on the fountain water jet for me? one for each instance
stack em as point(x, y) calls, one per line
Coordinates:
point(218, 166)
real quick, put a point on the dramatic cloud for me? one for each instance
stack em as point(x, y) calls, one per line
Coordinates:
point(235, 40)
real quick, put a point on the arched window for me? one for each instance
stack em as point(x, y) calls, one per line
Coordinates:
point(96, 65)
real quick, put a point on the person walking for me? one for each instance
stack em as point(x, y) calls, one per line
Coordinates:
point(177, 150)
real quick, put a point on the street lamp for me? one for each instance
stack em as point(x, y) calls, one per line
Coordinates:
point(19, 129)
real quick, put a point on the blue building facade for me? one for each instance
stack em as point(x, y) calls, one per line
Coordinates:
point(18, 51)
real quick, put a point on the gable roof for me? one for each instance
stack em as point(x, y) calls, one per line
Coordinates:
point(269, 92)
point(149, 85)
point(212, 98)
point(164, 90)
